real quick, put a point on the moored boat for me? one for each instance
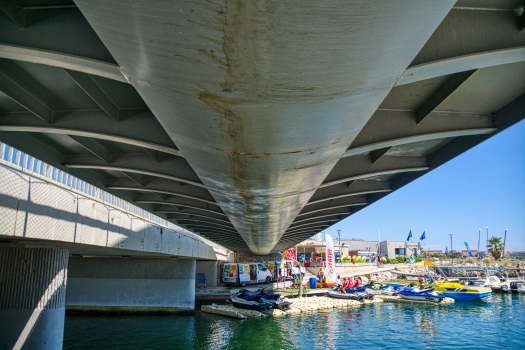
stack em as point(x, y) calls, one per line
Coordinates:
point(379, 288)
point(411, 292)
point(273, 300)
point(449, 289)
point(245, 300)
point(359, 294)
point(513, 287)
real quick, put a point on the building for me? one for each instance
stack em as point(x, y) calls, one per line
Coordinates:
point(393, 249)
point(313, 248)
point(355, 246)
point(465, 252)
point(434, 251)
point(515, 254)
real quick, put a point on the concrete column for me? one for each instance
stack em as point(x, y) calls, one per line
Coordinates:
point(131, 285)
point(32, 297)
point(209, 268)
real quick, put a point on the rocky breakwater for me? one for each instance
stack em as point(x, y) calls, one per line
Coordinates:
point(299, 305)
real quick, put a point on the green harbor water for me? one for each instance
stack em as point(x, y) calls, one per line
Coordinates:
point(496, 322)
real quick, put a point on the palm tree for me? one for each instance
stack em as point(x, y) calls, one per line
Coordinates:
point(495, 247)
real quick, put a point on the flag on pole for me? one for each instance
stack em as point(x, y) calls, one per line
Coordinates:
point(330, 259)
point(409, 236)
point(446, 251)
point(469, 252)
point(422, 236)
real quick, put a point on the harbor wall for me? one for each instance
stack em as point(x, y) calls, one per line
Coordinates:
point(131, 285)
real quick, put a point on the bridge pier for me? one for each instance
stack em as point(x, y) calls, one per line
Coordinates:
point(32, 297)
point(136, 285)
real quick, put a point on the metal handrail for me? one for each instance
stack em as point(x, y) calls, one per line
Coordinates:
point(17, 160)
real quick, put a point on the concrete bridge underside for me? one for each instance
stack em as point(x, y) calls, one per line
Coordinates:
point(257, 124)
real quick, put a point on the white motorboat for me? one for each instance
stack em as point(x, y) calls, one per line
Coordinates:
point(490, 281)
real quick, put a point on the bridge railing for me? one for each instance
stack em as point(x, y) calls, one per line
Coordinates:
point(17, 160)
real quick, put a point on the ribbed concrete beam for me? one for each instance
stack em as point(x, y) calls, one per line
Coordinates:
point(208, 222)
point(176, 168)
point(333, 207)
point(293, 227)
point(210, 228)
point(186, 209)
point(13, 10)
point(176, 202)
point(360, 167)
point(64, 33)
point(61, 60)
point(455, 82)
point(466, 33)
point(394, 128)
point(92, 146)
point(316, 227)
point(187, 215)
point(165, 187)
point(325, 215)
point(136, 127)
point(96, 93)
point(22, 89)
point(463, 63)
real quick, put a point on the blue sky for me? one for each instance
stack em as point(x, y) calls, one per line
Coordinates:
point(484, 186)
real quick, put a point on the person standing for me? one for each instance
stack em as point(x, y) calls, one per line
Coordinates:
point(405, 258)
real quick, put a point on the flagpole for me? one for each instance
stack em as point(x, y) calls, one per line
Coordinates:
point(426, 243)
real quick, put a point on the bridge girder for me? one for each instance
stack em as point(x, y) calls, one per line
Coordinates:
point(73, 106)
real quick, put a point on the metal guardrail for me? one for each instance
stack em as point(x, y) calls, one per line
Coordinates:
point(15, 159)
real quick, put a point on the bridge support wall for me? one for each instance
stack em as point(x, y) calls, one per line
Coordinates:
point(32, 297)
point(131, 285)
point(210, 270)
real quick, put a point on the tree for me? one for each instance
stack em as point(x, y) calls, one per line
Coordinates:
point(495, 247)
point(455, 255)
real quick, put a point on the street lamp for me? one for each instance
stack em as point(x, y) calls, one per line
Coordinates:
point(479, 239)
point(451, 249)
point(504, 241)
point(487, 238)
point(340, 248)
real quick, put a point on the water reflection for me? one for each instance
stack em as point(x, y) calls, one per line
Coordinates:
point(497, 323)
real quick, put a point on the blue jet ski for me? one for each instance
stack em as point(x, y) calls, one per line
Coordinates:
point(245, 300)
point(411, 292)
point(273, 300)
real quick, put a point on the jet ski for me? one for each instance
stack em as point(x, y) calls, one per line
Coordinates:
point(379, 288)
point(358, 293)
point(512, 287)
point(273, 300)
point(245, 300)
point(411, 292)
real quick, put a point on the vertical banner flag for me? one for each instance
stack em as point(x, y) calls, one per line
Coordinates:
point(290, 254)
point(422, 236)
point(409, 236)
point(446, 251)
point(468, 250)
point(330, 260)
